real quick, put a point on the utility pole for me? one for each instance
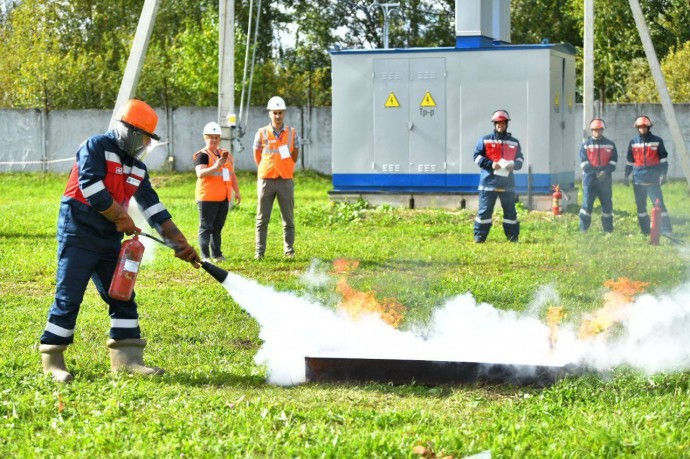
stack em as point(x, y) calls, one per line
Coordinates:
point(226, 72)
point(588, 70)
point(388, 9)
point(669, 111)
point(137, 55)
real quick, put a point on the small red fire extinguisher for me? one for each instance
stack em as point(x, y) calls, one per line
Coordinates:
point(654, 229)
point(557, 195)
point(122, 285)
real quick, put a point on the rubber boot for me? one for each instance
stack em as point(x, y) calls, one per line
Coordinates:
point(54, 362)
point(128, 355)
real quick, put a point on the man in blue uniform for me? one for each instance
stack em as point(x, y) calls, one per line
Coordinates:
point(647, 160)
point(92, 221)
point(598, 158)
point(497, 154)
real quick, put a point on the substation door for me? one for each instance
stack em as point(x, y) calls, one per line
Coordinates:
point(410, 120)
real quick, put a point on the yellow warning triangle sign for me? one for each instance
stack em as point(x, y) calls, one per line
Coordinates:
point(428, 101)
point(392, 101)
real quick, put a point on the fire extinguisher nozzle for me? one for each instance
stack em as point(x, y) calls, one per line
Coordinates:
point(218, 274)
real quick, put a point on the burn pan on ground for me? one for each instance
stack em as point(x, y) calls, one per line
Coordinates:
point(431, 372)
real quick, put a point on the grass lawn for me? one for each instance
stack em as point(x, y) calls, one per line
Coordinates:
point(215, 400)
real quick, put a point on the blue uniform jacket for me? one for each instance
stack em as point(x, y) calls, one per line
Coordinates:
point(647, 174)
point(488, 180)
point(603, 156)
point(80, 223)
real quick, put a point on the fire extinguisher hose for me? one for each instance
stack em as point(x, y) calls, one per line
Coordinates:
point(218, 273)
point(156, 239)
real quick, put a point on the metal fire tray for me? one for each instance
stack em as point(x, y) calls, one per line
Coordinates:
point(430, 372)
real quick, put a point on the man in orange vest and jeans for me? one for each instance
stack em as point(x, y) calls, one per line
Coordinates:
point(276, 148)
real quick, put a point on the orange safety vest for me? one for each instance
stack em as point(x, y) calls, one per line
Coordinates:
point(213, 187)
point(271, 164)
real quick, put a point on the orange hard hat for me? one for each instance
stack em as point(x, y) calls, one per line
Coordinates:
point(597, 123)
point(139, 115)
point(643, 121)
point(500, 115)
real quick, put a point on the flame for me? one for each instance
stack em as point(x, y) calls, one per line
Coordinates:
point(616, 302)
point(357, 303)
point(626, 288)
point(343, 266)
point(554, 316)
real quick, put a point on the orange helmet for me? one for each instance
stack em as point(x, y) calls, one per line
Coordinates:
point(500, 115)
point(139, 115)
point(643, 121)
point(597, 123)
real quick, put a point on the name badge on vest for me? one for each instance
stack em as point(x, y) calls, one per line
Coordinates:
point(226, 175)
point(132, 181)
point(284, 151)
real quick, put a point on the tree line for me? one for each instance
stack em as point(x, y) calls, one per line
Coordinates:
point(56, 54)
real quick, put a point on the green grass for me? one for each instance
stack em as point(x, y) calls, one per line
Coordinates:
point(214, 401)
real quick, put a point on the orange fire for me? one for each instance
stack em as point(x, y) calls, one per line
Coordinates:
point(343, 266)
point(356, 303)
point(554, 316)
point(615, 302)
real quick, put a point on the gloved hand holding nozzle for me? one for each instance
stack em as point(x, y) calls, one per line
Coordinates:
point(178, 242)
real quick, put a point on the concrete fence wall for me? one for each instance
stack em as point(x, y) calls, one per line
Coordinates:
point(48, 141)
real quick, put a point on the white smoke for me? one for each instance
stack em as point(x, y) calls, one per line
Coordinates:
point(653, 335)
point(150, 245)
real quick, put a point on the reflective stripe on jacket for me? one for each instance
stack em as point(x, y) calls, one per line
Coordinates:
point(104, 173)
point(213, 187)
point(121, 181)
point(272, 165)
point(497, 149)
point(645, 154)
point(599, 153)
point(647, 159)
point(490, 149)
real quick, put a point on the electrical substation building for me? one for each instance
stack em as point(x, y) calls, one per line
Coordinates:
point(405, 121)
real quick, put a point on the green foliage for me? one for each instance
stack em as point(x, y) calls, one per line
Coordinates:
point(73, 54)
point(346, 212)
point(675, 68)
point(532, 22)
point(618, 50)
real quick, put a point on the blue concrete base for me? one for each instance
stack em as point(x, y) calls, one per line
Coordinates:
point(439, 183)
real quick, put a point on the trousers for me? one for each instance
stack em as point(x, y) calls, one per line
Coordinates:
point(483, 222)
point(268, 190)
point(76, 266)
point(212, 216)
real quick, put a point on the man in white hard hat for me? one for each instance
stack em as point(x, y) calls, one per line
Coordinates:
point(216, 189)
point(276, 148)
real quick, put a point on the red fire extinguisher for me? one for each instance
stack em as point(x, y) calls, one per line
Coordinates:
point(557, 195)
point(654, 229)
point(122, 285)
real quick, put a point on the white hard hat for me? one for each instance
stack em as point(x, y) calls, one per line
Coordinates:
point(212, 128)
point(276, 103)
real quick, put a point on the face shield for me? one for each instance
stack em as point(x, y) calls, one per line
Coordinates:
point(136, 143)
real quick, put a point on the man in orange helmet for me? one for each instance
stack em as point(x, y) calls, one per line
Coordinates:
point(598, 158)
point(497, 154)
point(647, 161)
point(92, 222)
